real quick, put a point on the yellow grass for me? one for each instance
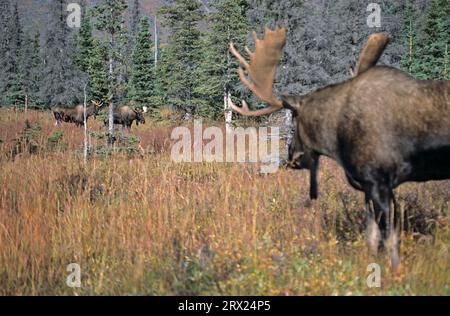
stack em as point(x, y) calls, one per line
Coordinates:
point(147, 225)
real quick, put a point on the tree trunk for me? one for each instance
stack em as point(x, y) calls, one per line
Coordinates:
point(86, 145)
point(156, 42)
point(227, 111)
point(26, 104)
point(289, 130)
point(111, 95)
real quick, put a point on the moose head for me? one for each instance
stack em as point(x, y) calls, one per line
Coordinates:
point(139, 115)
point(97, 107)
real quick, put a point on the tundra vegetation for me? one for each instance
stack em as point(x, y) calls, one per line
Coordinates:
point(142, 224)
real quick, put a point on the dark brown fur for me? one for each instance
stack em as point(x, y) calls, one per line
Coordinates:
point(125, 115)
point(74, 115)
point(385, 128)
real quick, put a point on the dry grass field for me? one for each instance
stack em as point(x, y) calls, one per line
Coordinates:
point(140, 224)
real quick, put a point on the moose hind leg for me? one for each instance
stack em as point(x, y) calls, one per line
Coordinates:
point(373, 234)
point(393, 239)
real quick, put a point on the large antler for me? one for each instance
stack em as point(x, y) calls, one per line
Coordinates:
point(371, 53)
point(262, 70)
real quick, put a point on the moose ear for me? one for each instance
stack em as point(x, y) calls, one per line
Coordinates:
point(291, 102)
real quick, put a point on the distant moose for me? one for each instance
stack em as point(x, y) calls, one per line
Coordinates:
point(126, 115)
point(76, 114)
point(382, 126)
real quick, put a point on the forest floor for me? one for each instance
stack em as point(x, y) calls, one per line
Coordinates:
point(139, 223)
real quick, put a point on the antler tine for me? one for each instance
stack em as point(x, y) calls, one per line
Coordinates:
point(371, 52)
point(249, 52)
point(261, 70)
point(239, 56)
point(352, 72)
point(244, 109)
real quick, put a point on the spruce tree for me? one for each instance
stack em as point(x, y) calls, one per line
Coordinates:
point(110, 20)
point(130, 42)
point(410, 59)
point(14, 87)
point(135, 19)
point(5, 41)
point(217, 75)
point(85, 44)
point(161, 78)
point(60, 78)
point(92, 59)
point(436, 39)
point(98, 72)
point(31, 68)
point(183, 54)
point(142, 72)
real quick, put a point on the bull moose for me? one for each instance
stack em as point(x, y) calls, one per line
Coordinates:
point(125, 115)
point(382, 126)
point(369, 57)
point(76, 114)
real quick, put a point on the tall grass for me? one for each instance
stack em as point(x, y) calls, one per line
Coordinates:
point(147, 225)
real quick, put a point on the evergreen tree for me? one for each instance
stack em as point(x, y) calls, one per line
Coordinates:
point(135, 19)
point(436, 38)
point(161, 80)
point(14, 87)
point(92, 59)
point(217, 74)
point(183, 54)
point(98, 72)
point(123, 62)
point(5, 40)
point(61, 82)
point(30, 68)
point(85, 44)
point(410, 60)
point(110, 20)
point(130, 42)
point(142, 72)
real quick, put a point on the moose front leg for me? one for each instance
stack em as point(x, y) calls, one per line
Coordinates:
point(393, 238)
point(313, 186)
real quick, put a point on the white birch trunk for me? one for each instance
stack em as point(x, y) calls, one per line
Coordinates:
point(227, 111)
point(289, 132)
point(111, 105)
point(26, 104)
point(86, 145)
